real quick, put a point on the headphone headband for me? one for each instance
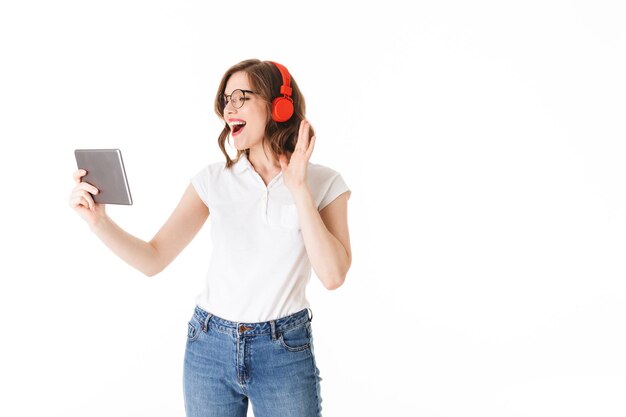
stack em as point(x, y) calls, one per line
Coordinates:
point(285, 88)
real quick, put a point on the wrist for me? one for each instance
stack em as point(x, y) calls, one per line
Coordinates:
point(100, 224)
point(302, 193)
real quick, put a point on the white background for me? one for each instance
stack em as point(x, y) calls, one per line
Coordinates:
point(484, 143)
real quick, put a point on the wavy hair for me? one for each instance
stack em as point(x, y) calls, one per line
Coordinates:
point(265, 80)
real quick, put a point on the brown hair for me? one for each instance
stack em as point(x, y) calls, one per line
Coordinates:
point(265, 80)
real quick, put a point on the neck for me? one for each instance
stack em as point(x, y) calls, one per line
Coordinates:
point(263, 162)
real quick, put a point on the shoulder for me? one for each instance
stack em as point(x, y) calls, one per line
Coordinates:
point(209, 180)
point(214, 169)
point(321, 173)
point(326, 184)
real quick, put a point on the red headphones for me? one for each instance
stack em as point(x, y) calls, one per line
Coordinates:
point(282, 106)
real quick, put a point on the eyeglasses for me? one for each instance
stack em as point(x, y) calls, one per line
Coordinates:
point(237, 98)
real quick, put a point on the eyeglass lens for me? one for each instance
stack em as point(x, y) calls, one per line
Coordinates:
point(237, 98)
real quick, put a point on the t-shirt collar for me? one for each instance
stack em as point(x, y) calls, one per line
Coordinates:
point(242, 164)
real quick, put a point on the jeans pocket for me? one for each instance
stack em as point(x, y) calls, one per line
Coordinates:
point(193, 330)
point(296, 339)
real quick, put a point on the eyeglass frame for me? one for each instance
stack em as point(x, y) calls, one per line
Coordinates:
point(228, 97)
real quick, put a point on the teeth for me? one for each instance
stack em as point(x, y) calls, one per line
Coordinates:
point(237, 123)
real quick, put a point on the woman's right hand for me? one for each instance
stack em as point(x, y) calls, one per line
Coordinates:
point(82, 202)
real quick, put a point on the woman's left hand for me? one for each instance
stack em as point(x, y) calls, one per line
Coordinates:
point(294, 171)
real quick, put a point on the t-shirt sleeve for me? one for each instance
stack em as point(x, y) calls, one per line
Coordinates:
point(335, 189)
point(200, 182)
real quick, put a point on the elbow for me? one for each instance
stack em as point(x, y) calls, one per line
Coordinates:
point(334, 283)
point(154, 265)
point(336, 280)
point(152, 270)
point(150, 274)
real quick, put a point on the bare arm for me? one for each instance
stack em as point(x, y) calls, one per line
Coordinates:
point(148, 257)
point(325, 233)
point(326, 237)
point(180, 229)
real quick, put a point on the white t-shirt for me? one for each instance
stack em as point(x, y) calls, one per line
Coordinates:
point(259, 267)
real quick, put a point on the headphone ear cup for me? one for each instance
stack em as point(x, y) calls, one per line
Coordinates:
point(282, 109)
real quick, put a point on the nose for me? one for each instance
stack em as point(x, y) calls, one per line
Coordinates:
point(229, 108)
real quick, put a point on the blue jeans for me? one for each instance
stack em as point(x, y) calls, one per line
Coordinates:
point(271, 364)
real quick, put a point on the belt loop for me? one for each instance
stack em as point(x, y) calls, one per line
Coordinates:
point(205, 326)
point(273, 327)
point(310, 315)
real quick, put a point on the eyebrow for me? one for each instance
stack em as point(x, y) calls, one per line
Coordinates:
point(242, 89)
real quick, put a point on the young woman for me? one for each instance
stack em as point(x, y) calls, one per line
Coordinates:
point(274, 216)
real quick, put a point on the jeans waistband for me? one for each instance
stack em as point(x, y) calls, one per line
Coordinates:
point(267, 327)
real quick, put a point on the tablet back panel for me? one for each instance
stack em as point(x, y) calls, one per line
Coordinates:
point(105, 171)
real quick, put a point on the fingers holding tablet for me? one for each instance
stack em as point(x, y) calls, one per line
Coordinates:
point(104, 174)
point(99, 180)
point(84, 185)
point(82, 202)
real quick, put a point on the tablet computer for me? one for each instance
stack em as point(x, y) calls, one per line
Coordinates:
point(105, 171)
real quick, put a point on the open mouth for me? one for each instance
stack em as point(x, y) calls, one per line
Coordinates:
point(237, 127)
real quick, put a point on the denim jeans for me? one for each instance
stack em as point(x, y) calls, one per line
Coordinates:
point(270, 364)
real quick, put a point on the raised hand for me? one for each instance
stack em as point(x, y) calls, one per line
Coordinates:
point(295, 169)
